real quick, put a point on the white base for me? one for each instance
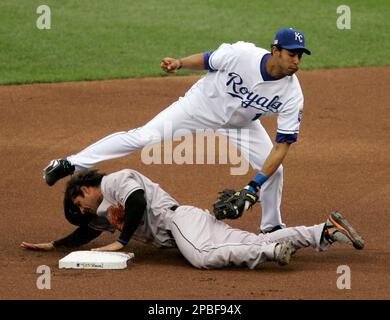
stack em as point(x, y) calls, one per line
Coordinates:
point(95, 260)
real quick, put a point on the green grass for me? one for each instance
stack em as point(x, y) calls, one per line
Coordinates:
point(101, 39)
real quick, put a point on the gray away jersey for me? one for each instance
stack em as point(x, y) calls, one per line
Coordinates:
point(118, 186)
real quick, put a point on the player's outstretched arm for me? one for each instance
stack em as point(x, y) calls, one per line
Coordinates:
point(77, 238)
point(272, 163)
point(232, 204)
point(275, 158)
point(38, 246)
point(194, 62)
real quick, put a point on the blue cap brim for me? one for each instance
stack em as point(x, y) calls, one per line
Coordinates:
point(293, 47)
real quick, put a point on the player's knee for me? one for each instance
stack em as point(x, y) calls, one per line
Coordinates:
point(145, 136)
point(213, 260)
point(193, 257)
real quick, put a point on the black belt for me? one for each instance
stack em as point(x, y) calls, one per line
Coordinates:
point(173, 208)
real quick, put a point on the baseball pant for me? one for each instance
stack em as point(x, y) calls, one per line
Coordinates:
point(209, 243)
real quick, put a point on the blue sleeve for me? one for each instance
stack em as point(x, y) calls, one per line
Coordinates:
point(289, 138)
point(206, 57)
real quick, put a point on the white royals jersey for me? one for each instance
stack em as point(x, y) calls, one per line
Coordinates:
point(234, 92)
point(117, 187)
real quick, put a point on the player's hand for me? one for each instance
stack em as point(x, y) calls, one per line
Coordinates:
point(38, 246)
point(115, 246)
point(170, 64)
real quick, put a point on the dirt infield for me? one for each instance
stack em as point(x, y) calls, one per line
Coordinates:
point(342, 161)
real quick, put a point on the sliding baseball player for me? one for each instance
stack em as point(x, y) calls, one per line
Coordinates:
point(139, 208)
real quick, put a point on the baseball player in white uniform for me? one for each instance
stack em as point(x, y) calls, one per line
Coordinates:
point(150, 214)
point(244, 83)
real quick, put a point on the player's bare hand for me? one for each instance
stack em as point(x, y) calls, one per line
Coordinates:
point(115, 246)
point(38, 246)
point(170, 64)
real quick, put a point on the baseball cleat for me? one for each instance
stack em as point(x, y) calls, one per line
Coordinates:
point(338, 229)
point(56, 170)
point(286, 250)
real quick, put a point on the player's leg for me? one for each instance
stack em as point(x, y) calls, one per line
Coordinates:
point(255, 144)
point(124, 143)
point(209, 243)
point(301, 236)
point(320, 236)
point(174, 121)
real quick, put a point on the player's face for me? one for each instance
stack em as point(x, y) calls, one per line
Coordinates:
point(289, 61)
point(90, 201)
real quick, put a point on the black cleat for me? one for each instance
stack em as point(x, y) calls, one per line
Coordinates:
point(56, 170)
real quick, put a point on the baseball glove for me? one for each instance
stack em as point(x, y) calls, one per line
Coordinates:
point(231, 203)
point(116, 215)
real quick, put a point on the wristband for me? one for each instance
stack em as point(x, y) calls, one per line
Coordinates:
point(258, 180)
point(122, 242)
